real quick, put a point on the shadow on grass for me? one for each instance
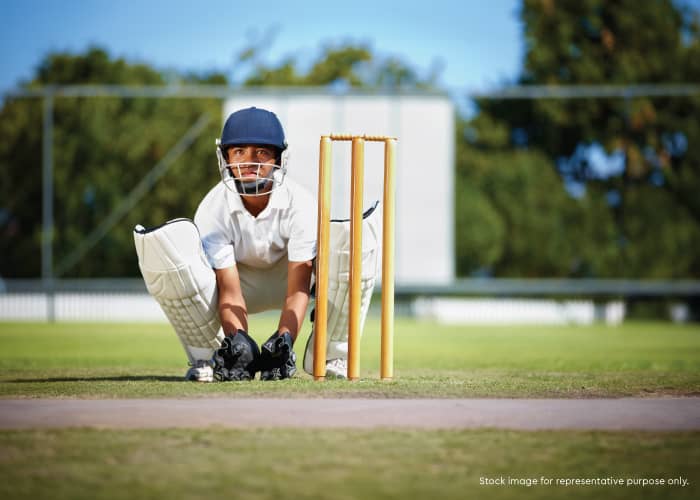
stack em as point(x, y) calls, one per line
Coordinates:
point(122, 378)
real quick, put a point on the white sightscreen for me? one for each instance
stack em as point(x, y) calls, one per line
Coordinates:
point(424, 125)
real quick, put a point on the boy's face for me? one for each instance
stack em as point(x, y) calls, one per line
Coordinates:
point(249, 162)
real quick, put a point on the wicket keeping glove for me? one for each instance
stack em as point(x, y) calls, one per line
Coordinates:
point(237, 359)
point(277, 357)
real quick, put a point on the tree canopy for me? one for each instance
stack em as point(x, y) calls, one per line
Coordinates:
point(119, 141)
point(633, 162)
point(588, 187)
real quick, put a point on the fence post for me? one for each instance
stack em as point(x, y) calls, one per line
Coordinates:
point(47, 205)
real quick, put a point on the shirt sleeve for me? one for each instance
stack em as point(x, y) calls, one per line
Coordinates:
point(217, 244)
point(302, 233)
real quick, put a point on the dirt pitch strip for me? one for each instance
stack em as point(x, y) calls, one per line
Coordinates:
point(665, 414)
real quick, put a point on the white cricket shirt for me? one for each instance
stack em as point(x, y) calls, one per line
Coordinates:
point(231, 234)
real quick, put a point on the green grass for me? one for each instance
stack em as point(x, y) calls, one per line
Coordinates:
point(146, 360)
point(137, 360)
point(321, 464)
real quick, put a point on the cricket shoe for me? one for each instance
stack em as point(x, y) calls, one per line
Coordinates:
point(201, 371)
point(337, 368)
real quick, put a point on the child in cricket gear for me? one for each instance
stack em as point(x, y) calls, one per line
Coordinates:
point(258, 231)
point(250, 249)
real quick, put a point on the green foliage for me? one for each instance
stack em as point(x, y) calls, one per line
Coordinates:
point(596, 41)
point(652, 223)
point(102, 149)
point(480, 229)
point(521, 222)
point(339, 65)
point(95, 66)
point(345, 64)
point(20, 188)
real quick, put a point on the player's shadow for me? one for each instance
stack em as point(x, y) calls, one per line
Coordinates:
point(121, 378)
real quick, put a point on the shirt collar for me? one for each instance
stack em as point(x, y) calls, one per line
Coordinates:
point(234, 201)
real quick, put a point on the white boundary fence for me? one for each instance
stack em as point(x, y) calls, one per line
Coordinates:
point(139, 307)
point(472, 301)
point(91, 306)
point(518, 311)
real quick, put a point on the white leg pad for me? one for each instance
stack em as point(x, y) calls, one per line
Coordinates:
point(179, 277)
point(339, 283)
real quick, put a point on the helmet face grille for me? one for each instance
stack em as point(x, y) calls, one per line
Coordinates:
point(257, 185)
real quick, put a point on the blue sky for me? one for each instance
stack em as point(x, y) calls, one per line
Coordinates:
point(477, 44)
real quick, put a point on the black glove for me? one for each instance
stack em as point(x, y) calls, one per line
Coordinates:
point(277, 357)
point(238, 358)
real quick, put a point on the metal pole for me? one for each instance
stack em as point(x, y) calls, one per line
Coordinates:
point(322, 256)
point(47, 205)
point(387, 328)
point(355, 278)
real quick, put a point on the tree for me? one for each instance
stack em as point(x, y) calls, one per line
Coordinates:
point(346, 64)
point(514, 217)
point(102, 148)
point(634, 153)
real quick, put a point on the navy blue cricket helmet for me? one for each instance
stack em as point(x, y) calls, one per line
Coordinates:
point(253, 126)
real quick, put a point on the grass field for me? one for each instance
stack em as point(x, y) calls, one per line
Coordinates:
point(136, 360)
point(322, 464)
point(146, 360)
